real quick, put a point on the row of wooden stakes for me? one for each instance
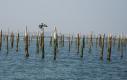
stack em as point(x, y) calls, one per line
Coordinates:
point(58, 41)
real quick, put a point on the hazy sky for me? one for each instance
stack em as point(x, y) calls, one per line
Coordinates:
point(67, 15)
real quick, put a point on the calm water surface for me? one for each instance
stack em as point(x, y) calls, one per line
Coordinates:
point(68, 65)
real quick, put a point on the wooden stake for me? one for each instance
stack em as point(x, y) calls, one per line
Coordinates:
point(78, 41)
point(51, 40)
point(7, 42)
point(109, 47)
point(26, 43)
point(83, 41)
point(0, 40)
point(12, 39)
point(119, 41)
point(91, 40)
point(100, 41)
point(42, 45)
point(55, 39)
point(82, 48)
point(55, 48)
point(37, 43)
point(122, 46)
point(17, 42)
point(63, 40)
point(69, 42)
point(102, 46)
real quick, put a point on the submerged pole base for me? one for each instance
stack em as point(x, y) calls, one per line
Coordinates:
point(43, 56)
point(16, 50)
point(27, 55)
point(108, 59)
point(43, 53)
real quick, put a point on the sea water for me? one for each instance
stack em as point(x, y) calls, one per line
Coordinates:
point(67, 66)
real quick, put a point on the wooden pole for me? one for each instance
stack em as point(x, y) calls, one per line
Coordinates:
point(114, 41)
point(26, 43)
point(7, 41)
point(122, 46)
point(17, 42)
point(12, 39)
point(63, 40)
point(37, 43)
point(119, 42)
point(0, 40)
point(71, 39)
point(51, 40)
point(83, 42)
point(96, 41)
point(55, 39)
point(91, 40)
point(69, 42)
point(42, 44)
point(78, 42)
point(55, 48)
point(109, 47)
point(102, 46)
point(82, 48)
point(100, 40)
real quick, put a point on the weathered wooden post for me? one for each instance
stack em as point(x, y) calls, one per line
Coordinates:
point(91, 40)
point(41, 26)
point(114, 41)
point(69, 44)
point(63, 40)
point(4, 37)
point(17, 41)
point(51, 40)
point(78, 42)
point(29, 40)
point(122, 46)
point(119, 41)
point(71, 39)
point(0, 40)
point(12, 39)
point(83, 42)
point(100, 40)
point(40, 40)
point(26, 43)
point(7, 41)
point(55, 40)
point(42, 45)
point(109, 47)
point(102, 46)
point(96, 41)
point(125, 43)
point(37, 43)
point(82, 47)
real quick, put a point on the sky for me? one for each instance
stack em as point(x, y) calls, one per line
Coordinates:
point(69, 16)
